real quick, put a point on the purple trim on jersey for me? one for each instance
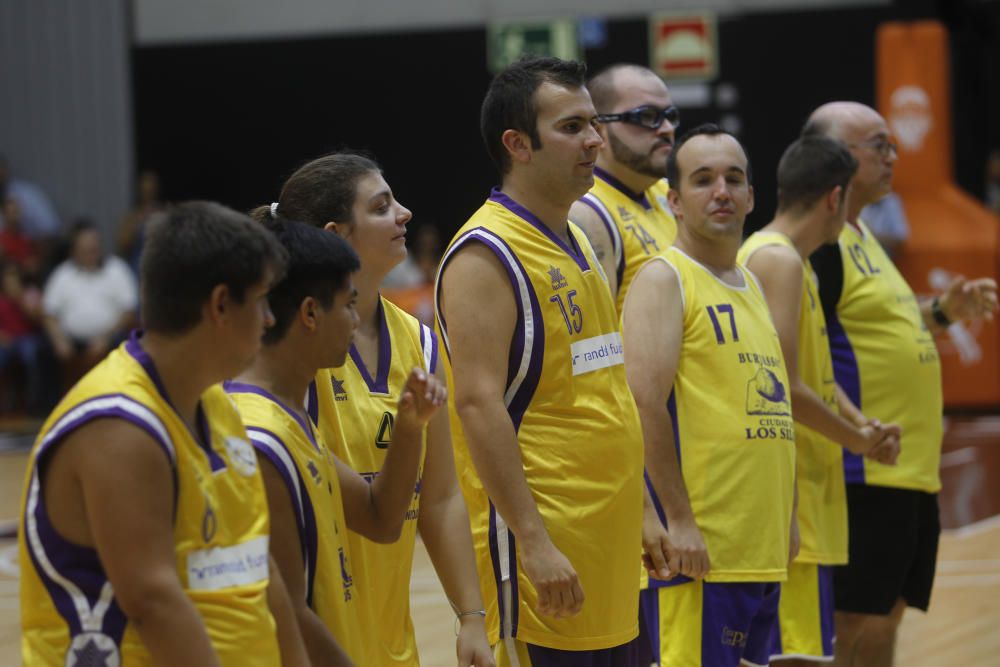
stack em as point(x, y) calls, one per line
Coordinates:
point(434, 347)
point(204, 435)
point(380, 385)
point(234, 387)
point(612, 230)
point(848, 375)
point(574, 252)
point(732, 608)
point(312, 402)
point(637, 197)
point(308, 539)
point(494, 546)
point(522, 398)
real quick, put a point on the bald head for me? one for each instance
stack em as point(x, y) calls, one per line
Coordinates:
point(840, 120)
point(607, 85)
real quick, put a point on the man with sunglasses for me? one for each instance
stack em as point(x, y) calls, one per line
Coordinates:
point(885, 359)
point(626, 215)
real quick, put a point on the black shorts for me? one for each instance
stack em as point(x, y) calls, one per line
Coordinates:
point(893, 550)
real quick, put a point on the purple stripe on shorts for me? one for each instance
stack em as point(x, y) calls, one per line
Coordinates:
point(304, 513)
point(495, 561)
point(848, 376)
point(574, 253)
point(826, 607)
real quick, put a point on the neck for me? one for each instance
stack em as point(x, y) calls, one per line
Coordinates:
point(282, 370)
point(186, 368)
point(367, 283)
point(854, 206)
point(633, 180)
point(718, 254)
point(805, 232)
point(553, 214)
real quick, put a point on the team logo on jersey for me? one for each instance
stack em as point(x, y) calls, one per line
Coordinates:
point(93, 649)
point(766, 395)
point(558, 280)
point(208, 523)
point(314, 471)
point(345, 576)
point(339, 393)
point(241, 455)
point(732, 637)
point(624, 214)
point(384, 434)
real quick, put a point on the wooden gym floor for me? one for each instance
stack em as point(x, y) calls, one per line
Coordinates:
point(960, 628)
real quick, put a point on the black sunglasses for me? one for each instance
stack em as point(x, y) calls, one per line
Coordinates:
point(647, 116)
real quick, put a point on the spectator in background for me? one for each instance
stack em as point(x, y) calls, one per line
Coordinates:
point(89, 302)
point(993, 181)
point(38, 217)
point(410, 285)
point(887, 221)
point(16, 246)
point(21, 341)
point(132, 230)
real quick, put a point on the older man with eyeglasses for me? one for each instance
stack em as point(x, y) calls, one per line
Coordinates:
point(625, 214)
point(885, 359)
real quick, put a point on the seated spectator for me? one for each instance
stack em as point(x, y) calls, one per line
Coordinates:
point(89, 303)
point(38, 217)
point(132, 230)
point(21, 341)
point(16, 246)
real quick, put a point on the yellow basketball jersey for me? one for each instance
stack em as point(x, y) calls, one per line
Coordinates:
point(640, 224)
point(733, 424)
point(309, 472)
point(357, 408)
point(578, 431)
point(69, 614)
point(822, 511)
point(886, 361)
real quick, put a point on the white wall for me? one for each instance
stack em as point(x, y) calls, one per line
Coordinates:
point(171, 21)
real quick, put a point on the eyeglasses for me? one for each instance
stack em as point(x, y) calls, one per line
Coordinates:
point(647, 116)
point(882, 145)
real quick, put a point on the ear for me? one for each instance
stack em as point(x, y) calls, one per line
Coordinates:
point(674, 199)
point(217, 306)
point(750, 200)
point(833, 199)
point(518, 145)
point(308, 314)
point(339, 228)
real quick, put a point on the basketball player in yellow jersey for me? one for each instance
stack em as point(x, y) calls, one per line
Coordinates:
point(885, 359)
point(144, 524)
point(309, 491)
point(547, 438)
point(813, 176)
point(626, 215)
point(355, 407)
point(706, 368)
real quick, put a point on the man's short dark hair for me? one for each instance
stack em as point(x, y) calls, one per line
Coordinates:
point(510, 101)
point(602, 85)
point(811, 167)
point(319, 264)
point(192, 249)
point(709, 129)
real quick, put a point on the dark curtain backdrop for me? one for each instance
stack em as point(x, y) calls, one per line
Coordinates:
point(230, 121)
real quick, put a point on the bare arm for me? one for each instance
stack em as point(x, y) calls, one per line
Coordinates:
point(444, 527)
point(479, 349)
point(377, 510)
point(779, 270)
point(590, 222)
point(653, 328)
point(290, 642)
point(286, 557)
point(125, 511)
